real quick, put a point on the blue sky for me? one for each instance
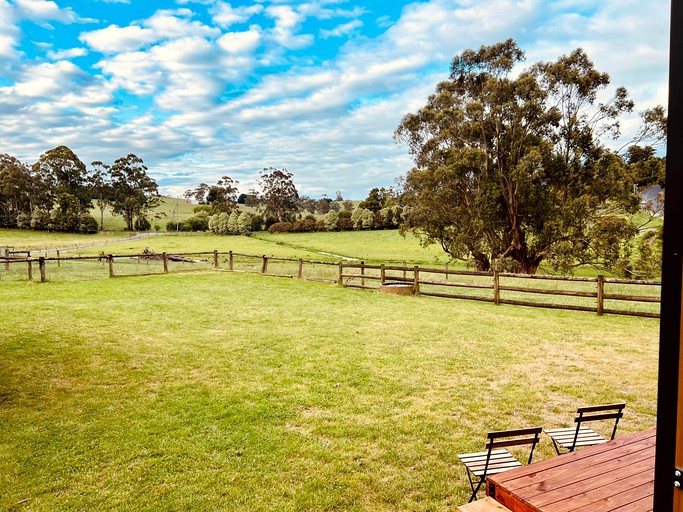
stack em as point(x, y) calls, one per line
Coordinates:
point(200, 89)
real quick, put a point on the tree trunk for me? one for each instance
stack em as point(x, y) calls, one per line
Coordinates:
point(482, 263)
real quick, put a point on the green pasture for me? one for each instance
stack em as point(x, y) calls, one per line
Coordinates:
point(233, 391)
point(386, 246)
point(26, 240)
point(370, 246)
point(169, 209)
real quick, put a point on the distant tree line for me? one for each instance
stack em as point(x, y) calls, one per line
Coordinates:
point(57, 192)
point(277, 207)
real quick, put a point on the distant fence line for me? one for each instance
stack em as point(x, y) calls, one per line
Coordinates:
point(589, 294)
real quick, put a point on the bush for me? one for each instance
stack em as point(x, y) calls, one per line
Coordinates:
point(40, 220)
point(331, 220)
point(244, 223)
point(142, 224)
point(202, 208)
point(256, 223)
point(174, 226)
point(304, 226)
point(281, 227)
point(23, 221)
point(196, 223)
point(344, 223)
point(88, 224)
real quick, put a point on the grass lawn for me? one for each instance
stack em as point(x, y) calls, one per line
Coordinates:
point(387, 246)
point(218, 391)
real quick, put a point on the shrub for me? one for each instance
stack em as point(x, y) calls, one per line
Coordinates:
point(142, 224)
point(256, 223)
point(304, 226)
point(202, 208)
point(344, 224)
point(233, 225)
point(223, 222)
point(196, 223)
point(244, 223)
point(40, 220)
point(175, 226)
point(23, 221)
point(281, 227)
point(331, 220)
point(88, 224)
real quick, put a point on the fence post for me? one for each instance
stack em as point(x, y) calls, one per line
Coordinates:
point(362, 274)
point(41, 266)
point(59, 262)
point(215, 259)
point(264, 266)
point(6, 252)
point(416, 279)
point(382, 274)
point(163, 255)
point(231, 263)
point(341, 271)
point(300, 273)
point(110, 258)
point(30, 269)
point(496, 287)
point(601, 293)
point(405, 268)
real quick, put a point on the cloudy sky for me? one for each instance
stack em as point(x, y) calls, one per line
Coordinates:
point(204, 88)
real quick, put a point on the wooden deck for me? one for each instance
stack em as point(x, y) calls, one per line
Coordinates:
point(617, 476)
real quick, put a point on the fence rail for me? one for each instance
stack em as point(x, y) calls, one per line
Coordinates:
point(593, 294)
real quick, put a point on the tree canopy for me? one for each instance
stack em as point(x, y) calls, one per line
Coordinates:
point(280, 197)
point(510, 170)
point(135, 193)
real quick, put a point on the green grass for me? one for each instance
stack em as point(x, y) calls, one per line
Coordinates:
point(169, 209)
point(26, 240)
point(386, 246)
point(218, 391)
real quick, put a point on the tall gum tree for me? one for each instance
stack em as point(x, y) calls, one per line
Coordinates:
point(64, 173)
point(280, 199)
point(135, 193)
point(510, 170)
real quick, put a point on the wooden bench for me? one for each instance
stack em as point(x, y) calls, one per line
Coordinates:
point(487, 504)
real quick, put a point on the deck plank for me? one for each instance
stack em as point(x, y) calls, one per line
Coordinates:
point(616, 476)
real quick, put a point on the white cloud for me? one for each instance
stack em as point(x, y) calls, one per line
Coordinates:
point(69, 53)
point(341, 30)
point(287, 22)
point(173, 24)
point(318, 10)
point(43, 81)
point(225, 15)
point(9, 31)
point(241, 42)
point(115, 39)
point(163, 25)
point(133, 72)
point(212, 96)
point(46, 10)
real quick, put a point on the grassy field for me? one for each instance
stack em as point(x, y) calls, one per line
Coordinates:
point(371, 246)
point(216, 391)
point(386, 246)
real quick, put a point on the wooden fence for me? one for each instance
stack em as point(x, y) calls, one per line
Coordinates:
point(594, 294)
